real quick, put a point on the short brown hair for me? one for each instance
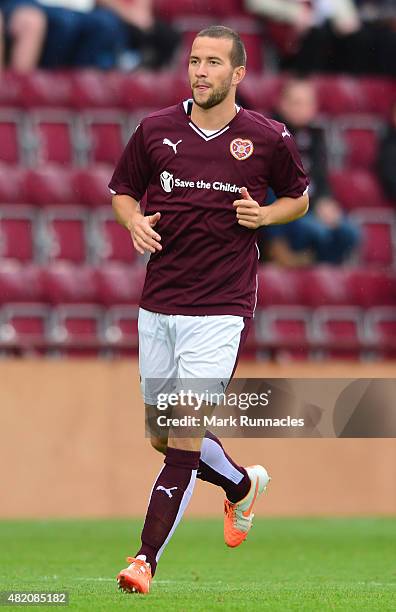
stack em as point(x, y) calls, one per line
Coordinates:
point(238, 51)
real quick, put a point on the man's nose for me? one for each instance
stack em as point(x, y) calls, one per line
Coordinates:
point(201, 70)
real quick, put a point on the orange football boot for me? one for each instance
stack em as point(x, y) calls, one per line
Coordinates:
point(136, 578)
point(238, 517)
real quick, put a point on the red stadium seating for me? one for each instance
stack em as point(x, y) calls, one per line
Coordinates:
point(96, 89)
point(65, 234)
point(17, 226)
point(52, 138)
point(77, 328)
point(50, 185)
point(11, 89)
point(372, 287)
point(24, 325)
point(260, 94)
point(139, 87)
point(278, 286)
point(379, 236)
point(120, 328)
point(181, 8)
point(286, 329)
point(358, 136)
point(11, 131)
point(12, 187)
point(338, 330)
point(119, 283)
point(380, 330)
point(356, 188)
point(112, 241)
point(105, 136)
point(90, 185)
point(65, 282)
point(44, 88)
point(325, 285)
point(20, 282)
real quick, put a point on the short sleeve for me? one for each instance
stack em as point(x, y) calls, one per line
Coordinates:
point(287, 175)
point(133, 171)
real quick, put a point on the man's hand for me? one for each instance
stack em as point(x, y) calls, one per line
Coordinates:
point(249, 212)
point(144, 238)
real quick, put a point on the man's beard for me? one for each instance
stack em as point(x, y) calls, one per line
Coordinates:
point(215, 98)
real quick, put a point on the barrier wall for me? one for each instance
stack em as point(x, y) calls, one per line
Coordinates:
point(72, 444)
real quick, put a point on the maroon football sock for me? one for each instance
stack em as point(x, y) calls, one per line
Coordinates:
point(217, 467)
point(170, 496)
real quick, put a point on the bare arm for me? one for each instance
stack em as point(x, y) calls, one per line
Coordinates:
point(280, 253)
point(251, 215)
point(127, 212)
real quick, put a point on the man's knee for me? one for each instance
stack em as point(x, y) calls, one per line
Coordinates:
point(28, 19)
point(159, 444)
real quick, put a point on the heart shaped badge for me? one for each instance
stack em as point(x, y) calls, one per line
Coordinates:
point(241, 148)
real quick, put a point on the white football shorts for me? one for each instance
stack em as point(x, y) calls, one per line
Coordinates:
point(179, 351)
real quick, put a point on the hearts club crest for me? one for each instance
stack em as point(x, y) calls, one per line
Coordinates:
point(241, 148)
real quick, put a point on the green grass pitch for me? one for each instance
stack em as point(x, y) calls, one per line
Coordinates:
point(286, 564)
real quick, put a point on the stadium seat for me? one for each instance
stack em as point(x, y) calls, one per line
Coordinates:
point(104, 135)
point(338, 95)
point(46, 88)
point(50, 185)
point(372, 287)
point(260, 93)
point(97, 89)
point(24, 326)
point(171, 11)
point(325, 285)
point(65, 282)
point(90, 185)
point(377, 95)
point(17, 233)
point(358, 137)
point(111, 240)
point(380, 330)
point(64, 234)
point(77, 329)
point(121, 328)
point(338, 330)
point(169, 87)
point(20, 282)
point(278, 286)
point(11, 134)
point(11, 89)
point(119, 283)
point(285, 329)
point(52, 138)
point(12, 185)
point(356, 188)
point(378, 244)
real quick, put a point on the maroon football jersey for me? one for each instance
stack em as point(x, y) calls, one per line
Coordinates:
point(208, 262)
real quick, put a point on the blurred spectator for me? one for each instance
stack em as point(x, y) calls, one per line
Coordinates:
point(149, 41)
point(307, 43)
point(387, 158)
point(85, 33)
point(81, 34)
point(325, 234)
point(60, 33)
point(23, 27)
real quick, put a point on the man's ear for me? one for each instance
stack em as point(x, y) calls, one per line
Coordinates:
point(239, 74)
